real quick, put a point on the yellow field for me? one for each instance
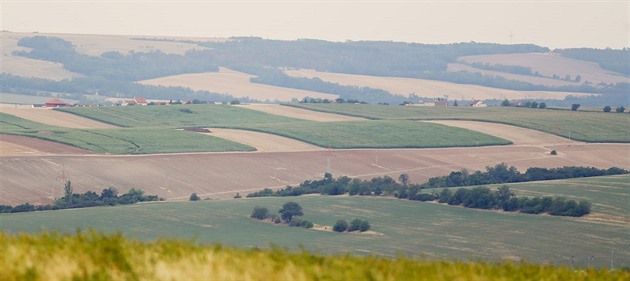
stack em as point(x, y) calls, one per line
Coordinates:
point(236, 84)
point(549, 64)
point(427, 88)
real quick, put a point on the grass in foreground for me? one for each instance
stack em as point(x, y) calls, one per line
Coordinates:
point(578, 125)
point(94, 256)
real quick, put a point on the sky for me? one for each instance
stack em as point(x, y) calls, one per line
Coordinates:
point(554, 24)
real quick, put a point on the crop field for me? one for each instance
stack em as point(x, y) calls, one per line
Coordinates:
point(576, 125)
point(427, 88)
point(348, 134)
point(400, 227)
point(26, 99)
point(120, 141)
point(91, 255)
point(236, 84)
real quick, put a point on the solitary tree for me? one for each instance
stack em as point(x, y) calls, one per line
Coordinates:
point(194, 197)
point(607, 108)
point(505, 102)
point(575, 106)
point(542, 105)
point(404, 179)
point(260, 213)
point(289, 210)
point(620, 109)
point(68, 193)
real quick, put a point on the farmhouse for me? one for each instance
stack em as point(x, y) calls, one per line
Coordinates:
point(57, 103)
point(478, 103)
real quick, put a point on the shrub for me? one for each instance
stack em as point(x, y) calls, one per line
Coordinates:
point(365, 226)
point(542, 105)
point(194, 197)
point(260, 213)
point(340, 226)
point(554, 152)
point(620, 109)
point(354, 225)
point(607, 108)
point(575, 106)
point(185, 110)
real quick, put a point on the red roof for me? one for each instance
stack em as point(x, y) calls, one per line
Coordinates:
point(140, 100)
point(56, 101)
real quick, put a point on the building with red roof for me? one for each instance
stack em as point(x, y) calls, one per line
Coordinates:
point(57, 103)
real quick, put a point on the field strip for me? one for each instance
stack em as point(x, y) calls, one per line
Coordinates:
point(24, 146)
point(263, 142)
point(234, 83)
point(300, 113)
point(427, 88)
point(56, 118)
point(517, 135)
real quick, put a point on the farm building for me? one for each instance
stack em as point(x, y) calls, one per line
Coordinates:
point(57, 103)
point(478, 103)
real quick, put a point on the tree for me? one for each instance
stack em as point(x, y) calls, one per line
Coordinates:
point(365, 226)
point(575, 106)
point(534, 105)
point(260, 213)
point(194, 197)
point(340, 226)
point(68, 193)
point(354, 225)
point(607, 108)
point(404, 179)
point(578, 78)
point(505, 102)
point(455, 103)
point(620, 109)
point(504, 194)
point(289, 210)
point(542, 105)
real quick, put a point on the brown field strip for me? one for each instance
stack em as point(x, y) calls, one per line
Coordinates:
point(56, 118)
point(516, 135)
point(427, 88)
point(222, 175)
point(548, 64)
point(235, 83)
point(300, 113)
point(24, 146)
point(263, 142)
point(457, 67)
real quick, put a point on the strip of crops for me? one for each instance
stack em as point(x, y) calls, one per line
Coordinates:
point(94, 256)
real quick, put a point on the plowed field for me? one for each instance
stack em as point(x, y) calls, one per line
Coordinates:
point(56, 118)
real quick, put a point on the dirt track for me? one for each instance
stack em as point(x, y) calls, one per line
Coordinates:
point(56, 118)
point(300, 113)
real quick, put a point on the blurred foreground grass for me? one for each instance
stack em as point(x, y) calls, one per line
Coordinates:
point(94, 256)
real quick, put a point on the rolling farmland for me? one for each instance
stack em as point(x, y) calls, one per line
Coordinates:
point(428, 229)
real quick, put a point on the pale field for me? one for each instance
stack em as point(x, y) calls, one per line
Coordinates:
point(300, 113)
point(263, 142)
point(55, 118)
point(456, 67)
point(548, 64)
point(15, 100)
point(235, 83)
point(428, 88)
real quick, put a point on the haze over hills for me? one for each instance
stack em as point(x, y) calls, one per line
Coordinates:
point(76, 67)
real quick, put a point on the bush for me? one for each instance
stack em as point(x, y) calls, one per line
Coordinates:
point(620, 109)
point(607, 108)
point(542, 105)
point(575, 106)
point(365, 226)
point(354, 225)
point(340, 226)
point(194, 197)
point(554, 152)
point(185, 110)
point(260, 213)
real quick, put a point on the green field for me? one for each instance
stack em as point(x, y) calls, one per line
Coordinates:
point(121, 141)
point(354, 134)
point(578, 125)
point(407, 227)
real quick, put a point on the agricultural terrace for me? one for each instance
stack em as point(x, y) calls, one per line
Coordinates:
point(115, 257)
point(576, 125)
point(427, 229)
point(120, 141)
point(348, 134)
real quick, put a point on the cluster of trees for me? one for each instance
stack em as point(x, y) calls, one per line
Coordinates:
point(619, 109)
point(288, 214)
point(115, 65)
point(387, 186)
point(355, 225)
point(108, 197)
point(483, 198)
point(527, 104)
point(610, 59)
point(515, 69)
point(320, 100)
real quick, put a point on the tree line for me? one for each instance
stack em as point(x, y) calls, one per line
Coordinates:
point(108, 197)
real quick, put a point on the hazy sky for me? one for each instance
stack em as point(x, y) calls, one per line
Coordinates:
point(555, 24)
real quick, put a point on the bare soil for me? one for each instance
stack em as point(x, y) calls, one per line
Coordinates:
point(23, 146)
point(236, 84)
point(55, 118)
point(263, 142)
point(300, 113)
point(427, 88)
